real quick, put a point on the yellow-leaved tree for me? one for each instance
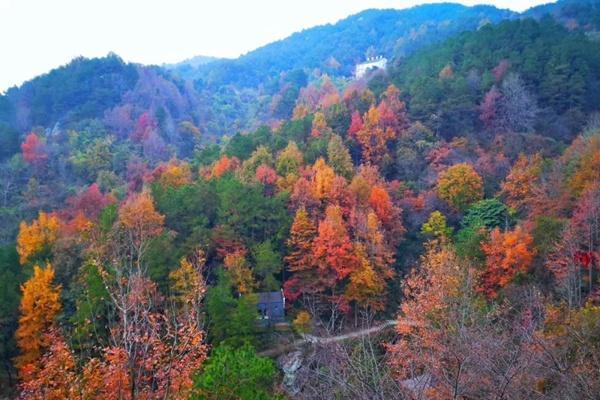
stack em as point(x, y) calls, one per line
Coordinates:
point(39, 306)
point(34, 237)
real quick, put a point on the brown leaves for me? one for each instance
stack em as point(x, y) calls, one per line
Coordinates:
point(520, 184)
point(379, 126)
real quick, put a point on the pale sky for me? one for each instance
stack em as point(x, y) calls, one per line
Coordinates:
point(38, 35)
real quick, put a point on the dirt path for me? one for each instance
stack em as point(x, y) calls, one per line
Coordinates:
point(310, 339)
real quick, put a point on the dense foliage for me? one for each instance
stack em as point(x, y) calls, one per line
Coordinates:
point(455, 198)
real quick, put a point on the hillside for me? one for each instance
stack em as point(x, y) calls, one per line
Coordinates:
point(575, 14)
point(262, 86)
point(559, 69)
point(336, 48)
point(278, 230)
point(187, 68)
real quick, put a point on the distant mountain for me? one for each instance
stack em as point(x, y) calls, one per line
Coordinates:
point(187, 68)
point(336, 48)
point(224, 96)
point(575, 14)
point(84, 88)
point(102, 93)
point(192, 62)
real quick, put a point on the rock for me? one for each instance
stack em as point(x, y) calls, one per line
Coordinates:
point(290, 364)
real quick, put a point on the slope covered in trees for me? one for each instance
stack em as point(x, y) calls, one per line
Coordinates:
point(557, 84)
point(336, 48)
point(458, 194)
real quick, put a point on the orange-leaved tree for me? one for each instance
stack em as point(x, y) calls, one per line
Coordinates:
point(333, 252)
point(40, 305)
point(435, 315)
point(507, 254)
point(323, 179)
point(55, 377)
point(366, 286)
point(300, 261)
point(141, 222)
point(520, 183)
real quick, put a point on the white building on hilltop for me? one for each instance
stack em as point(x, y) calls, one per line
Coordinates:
point(361, 69)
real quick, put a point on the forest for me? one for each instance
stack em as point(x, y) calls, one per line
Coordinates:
point(237, 231)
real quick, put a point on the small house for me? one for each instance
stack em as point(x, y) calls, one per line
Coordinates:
point(271, 307)
point(371, 63)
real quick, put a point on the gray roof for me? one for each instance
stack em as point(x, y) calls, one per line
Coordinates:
point(270, 297)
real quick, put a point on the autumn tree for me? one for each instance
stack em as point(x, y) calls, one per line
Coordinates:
point(173, 174)
point(153, 353)
point(436, 226)
point(89, 202)
point(187, 282)
point(302, 322)
point(141, 223)
point(34, 151)
point(519, 187)
point(460, 185)
point(570, 349)
point(153, 350)
point(55, 378)
point(260, 156)
point(40, 305)
point(333, 252)
point(449, 346)
point(319, 125)
point(266, 175)
point(574, 259)
point(289, 160)
point(488, 107)
point(239, 271)
point(374, 254)
point(426, 323)
point(379, 127)
point(446, 73)
point(144, 128)
point(517, 108)
point(366, 287)
point(356, 124)
point(339, 157)
point(222, 166)
point(587, 163)
point(393, 110)
point(35, 237)
point(300, 261)
point(323, 179)
point(507, 254)
point(381, 203)
point(501, 69)
point(374, 137)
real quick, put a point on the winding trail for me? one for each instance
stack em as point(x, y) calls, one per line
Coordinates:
point(310, 339)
